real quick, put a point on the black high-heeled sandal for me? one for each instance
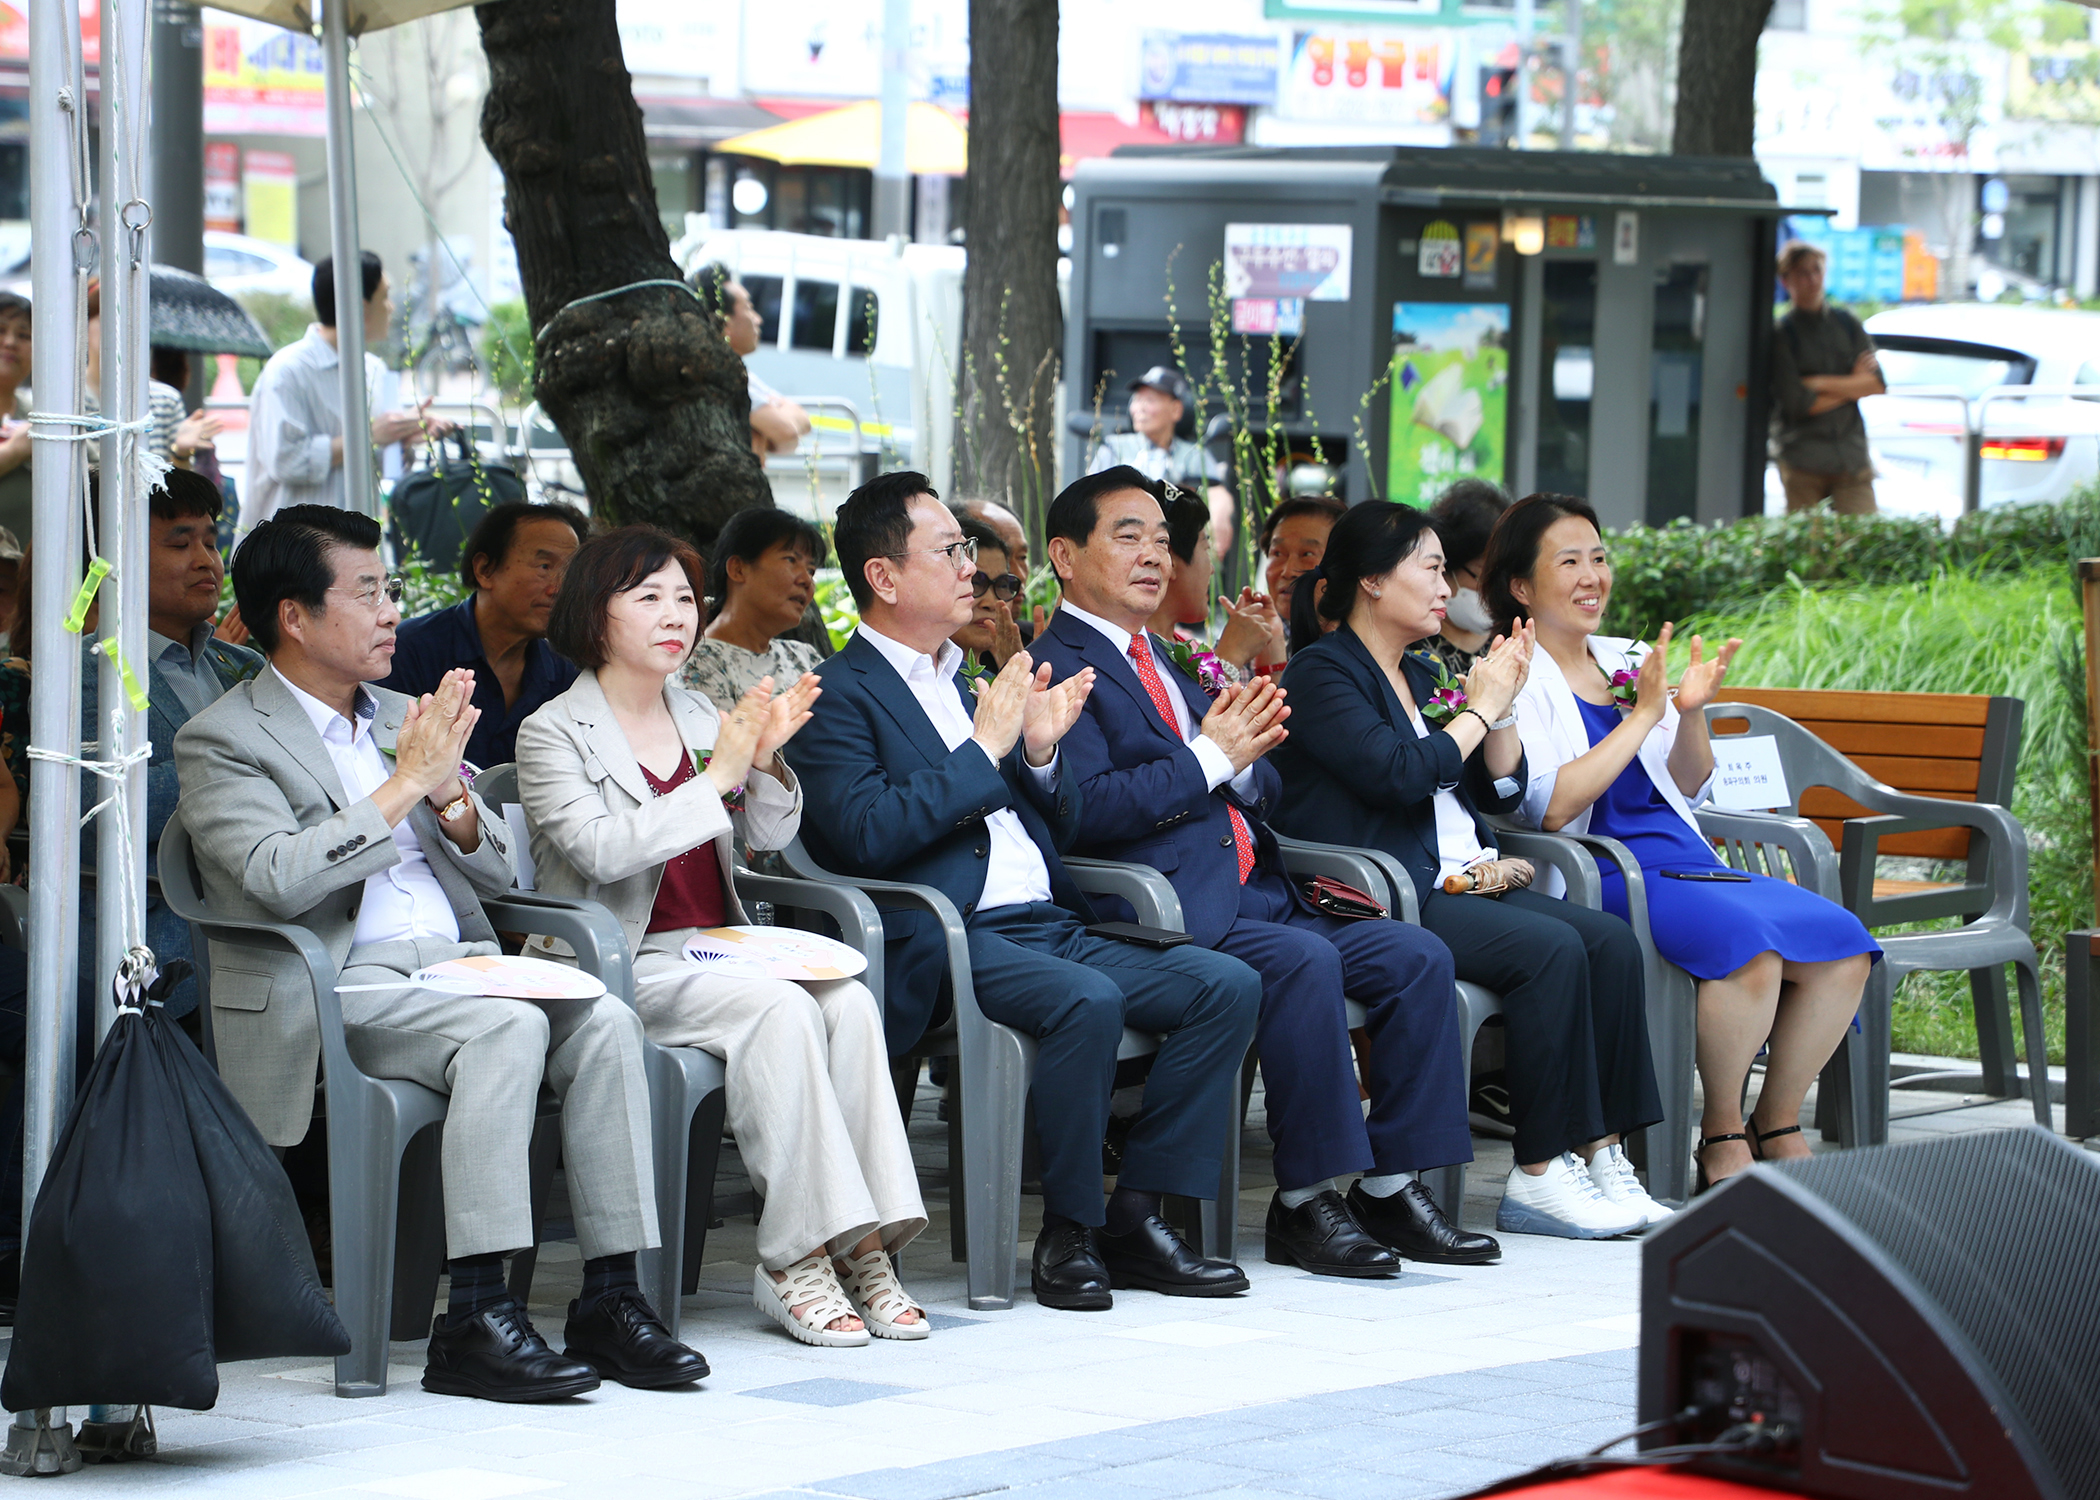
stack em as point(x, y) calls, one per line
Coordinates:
point(1761, 1136)
point(1699, 1156)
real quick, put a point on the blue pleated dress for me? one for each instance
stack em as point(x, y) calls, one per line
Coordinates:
point(1708, 928)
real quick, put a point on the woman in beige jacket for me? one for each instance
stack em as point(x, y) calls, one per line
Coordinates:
point(634, 787)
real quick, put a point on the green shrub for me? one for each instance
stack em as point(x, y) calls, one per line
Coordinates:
point(1669, 572)
point(2017, 634)
point(283, 321)
point(506, 350)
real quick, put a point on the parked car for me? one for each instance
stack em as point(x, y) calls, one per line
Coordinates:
point(2040, 448)
point(237, 264)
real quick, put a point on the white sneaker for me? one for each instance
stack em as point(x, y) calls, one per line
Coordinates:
point(1563, 1201)
point(1613, 1174)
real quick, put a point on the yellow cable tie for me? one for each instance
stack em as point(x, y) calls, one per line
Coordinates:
point(138, 696)
point(76, 617)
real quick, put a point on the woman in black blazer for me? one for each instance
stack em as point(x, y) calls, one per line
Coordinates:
point(1362, 767)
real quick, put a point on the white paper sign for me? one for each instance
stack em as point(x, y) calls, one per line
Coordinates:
point(1296, 261)
point(520, 845)
point(1747, 773)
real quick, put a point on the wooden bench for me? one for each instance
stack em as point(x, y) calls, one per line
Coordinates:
point(1961, 747)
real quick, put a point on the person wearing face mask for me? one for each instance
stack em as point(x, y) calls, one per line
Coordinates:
point(1373, 761)
point(763, 576)
point(1778, 966)
point(635, 789)
point(1462, 517)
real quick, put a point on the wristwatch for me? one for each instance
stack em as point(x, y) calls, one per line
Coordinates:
point(456, 809)
point(1504, 722)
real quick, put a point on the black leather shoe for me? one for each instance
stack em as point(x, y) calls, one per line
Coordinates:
point(1412, 1224)
point(497, 1355)
point(1068, 1272)
point(1320, 1236)
point(1154, 1257)
point(620, 1336)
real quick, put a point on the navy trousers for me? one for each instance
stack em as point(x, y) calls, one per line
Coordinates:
point(1402, 976)
point(1037, 969)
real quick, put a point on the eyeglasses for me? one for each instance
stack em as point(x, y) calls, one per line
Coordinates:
point(957, 553)
point(1005, 586)
point(370, 594)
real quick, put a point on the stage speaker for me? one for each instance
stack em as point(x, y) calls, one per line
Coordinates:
point(1881, 1324)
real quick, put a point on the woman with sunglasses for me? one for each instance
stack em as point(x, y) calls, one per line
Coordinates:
point(994, 631)
point(759, 586)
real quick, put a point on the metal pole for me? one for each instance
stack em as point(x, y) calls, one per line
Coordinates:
point(62, 246)
point(178, 154)
point(1527, 22)
point(1572, 77)
point(358, 490)
point(120, 883)
point(892, 175)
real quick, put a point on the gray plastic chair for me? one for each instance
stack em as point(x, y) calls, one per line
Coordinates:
point(1984, 943)
point(995, 1065)
point(688, 1102)
point(372, 1122)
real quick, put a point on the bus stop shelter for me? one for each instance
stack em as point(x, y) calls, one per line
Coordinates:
point(1592, 324)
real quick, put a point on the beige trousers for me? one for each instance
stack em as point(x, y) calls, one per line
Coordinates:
point(1849, 494)
point(489, 1056)
point(810, 1099)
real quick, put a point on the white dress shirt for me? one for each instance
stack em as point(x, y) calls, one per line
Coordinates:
point(1015, 874)
point(405, 900)
point(1457, 843)
point(1217, 765)
point(294, 416)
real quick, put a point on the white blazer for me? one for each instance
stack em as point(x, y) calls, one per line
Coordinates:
point(1550, 723)
point(599, 832)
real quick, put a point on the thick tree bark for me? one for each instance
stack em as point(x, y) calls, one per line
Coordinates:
point(1717, 77)
point(1013, 329)
point(652, 401)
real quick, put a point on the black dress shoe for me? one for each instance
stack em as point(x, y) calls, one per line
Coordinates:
point(1154, 1257)
point(1320, 1236)
point(1412, 1224)
point(497, 1355)
point(1068, 1272)
point(620, 1336)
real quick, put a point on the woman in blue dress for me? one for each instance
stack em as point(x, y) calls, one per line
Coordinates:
point(1778, 966)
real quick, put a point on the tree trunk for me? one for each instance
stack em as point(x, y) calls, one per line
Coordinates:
point(1717, 77)
point(1013, 329)
point(652, 401)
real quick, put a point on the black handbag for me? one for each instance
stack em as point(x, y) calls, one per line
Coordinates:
point(435, 508)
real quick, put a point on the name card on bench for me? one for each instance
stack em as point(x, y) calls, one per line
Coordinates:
point(1747, 774)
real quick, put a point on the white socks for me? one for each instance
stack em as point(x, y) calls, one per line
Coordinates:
point(1386, 1186)
point(1299, 1197)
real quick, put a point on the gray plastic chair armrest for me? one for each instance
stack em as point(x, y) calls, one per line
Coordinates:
point(1372, 871)
point(1560, 851)
point(1814, 862)
point(588, 928)
point(902, 893)
point(1630, 868)
point(2004, 839)
point(1150, 894)
point(860, 924)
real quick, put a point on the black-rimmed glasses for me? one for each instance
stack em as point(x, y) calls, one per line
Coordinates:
point(1005, 586)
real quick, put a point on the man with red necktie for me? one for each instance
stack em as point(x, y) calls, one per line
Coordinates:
point(1176, 780)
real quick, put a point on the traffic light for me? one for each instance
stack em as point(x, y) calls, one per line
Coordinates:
point(1498, 103)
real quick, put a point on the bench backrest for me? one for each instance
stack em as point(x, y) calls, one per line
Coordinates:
point(1963, 747)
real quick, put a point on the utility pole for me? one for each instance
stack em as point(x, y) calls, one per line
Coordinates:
point(178, 152)
point(892, 172)
point(1527, 23)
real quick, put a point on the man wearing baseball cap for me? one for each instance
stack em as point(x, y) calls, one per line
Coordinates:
point(1158, 400)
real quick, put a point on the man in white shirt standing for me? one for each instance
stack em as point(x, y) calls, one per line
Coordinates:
point(295, 413)
point(906, 776)
point(315, 798)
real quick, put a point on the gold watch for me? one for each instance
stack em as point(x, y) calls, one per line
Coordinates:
point(456, 809)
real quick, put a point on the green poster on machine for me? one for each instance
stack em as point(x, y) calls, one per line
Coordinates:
point(1450, 385)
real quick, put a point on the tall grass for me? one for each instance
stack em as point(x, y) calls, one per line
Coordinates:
point(2016, 634)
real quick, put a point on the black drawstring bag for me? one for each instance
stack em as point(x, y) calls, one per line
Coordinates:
point(164, 1238)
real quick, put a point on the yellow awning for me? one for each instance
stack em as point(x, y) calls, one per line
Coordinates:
point(935, 143)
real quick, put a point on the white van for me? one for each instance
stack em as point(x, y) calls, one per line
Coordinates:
point(864, 334)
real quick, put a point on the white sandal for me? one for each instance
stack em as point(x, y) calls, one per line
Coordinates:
point(813, 1285)
point(880, 1298)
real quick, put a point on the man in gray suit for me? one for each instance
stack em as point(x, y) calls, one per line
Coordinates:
point(317, 799)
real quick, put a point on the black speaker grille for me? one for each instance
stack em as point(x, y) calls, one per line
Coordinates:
point(2002, 1230)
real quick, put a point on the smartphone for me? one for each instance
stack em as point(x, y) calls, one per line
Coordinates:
point(1708, 875)
point(1143, 936)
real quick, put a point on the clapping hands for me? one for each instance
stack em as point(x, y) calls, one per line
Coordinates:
point(1252, 626)
point(1702, 676)
point(1246, 721)
point(1499, 673)
point(433, 737)
point(757, 727)
point(1020, 702)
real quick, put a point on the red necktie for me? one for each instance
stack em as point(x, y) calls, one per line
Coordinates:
point(1148, 674)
